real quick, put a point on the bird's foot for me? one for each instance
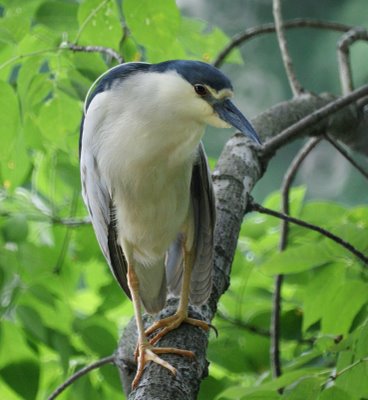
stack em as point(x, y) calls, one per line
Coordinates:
point(145, 352)
point(170, 323)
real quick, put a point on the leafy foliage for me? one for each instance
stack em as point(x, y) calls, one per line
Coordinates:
point(60, 308)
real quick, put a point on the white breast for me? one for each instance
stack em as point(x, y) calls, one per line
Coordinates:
point(144, 146)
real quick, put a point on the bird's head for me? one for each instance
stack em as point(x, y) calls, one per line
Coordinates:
point(172, 92)
point(204, 94)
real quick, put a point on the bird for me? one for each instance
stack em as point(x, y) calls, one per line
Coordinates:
point(147, 185)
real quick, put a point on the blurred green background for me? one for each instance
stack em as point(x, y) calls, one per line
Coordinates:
point(262, 82)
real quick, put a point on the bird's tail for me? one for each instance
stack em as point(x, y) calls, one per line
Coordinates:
point(152, 286)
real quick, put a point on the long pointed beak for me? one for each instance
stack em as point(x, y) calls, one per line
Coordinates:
point(230, 114)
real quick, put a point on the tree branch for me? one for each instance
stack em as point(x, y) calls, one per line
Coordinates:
point(345, 154)
point(275, 329)
point(244, 325)
point(80, 373)
point(93, 49)
point(343, 56)
point(295, 85)
point(253, 32)
point(296, 129)
point(348, 246)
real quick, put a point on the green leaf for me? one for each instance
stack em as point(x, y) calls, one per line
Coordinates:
point(15, 229)
point(9, 117)
point(305, 389)
point(296, 259)
point(354, 379)
point(201, 43)
point(23, 377)
point(13, 28)
point(110, 375)
point(335, 393)
point(13, 344)
point(58, 15)
point(99, 24)
point(345, 303)
point(32, 322)
point(16, 167)
point(323, 212)
point(60, 342)
point(262, 395)
point(296, 199)
point(319, 292)
point(41, 39)
point(33, 87)
point(153, 22)
point(97, 335)
point(59, 117)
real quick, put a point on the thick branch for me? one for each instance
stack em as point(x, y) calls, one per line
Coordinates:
point(312, 119)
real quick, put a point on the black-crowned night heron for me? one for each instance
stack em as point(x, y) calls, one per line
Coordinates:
point(147, 186)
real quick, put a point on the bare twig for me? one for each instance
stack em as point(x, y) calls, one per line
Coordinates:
point(276, 142)
point(342, 150)
point(337, 374)
point(343, 56)
point(67, 236)
point(295, 85)
point(80, 373)
point(288, 181)
point(275, 328)
point(43, 217)
point(244, 325)
point(348, 246)
point(92, 14)
point(251, 33)
point(93, 49)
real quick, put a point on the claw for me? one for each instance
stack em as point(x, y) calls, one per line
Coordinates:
point(170, 323)
point(146, 352)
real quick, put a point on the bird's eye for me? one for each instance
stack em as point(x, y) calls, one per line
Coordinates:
point(200, 90)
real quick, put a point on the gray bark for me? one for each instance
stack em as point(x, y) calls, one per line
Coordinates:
point(239, 168)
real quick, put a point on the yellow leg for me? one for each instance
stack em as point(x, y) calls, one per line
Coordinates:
point(170, 323)
point(145, 351)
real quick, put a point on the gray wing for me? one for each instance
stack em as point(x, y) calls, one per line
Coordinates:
point(98, 200)
point(204, 215)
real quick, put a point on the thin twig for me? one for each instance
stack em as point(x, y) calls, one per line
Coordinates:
point(244, 325)
point(343, 56)
point(70, 222)
point(348, 246)
point(288, 181)
point(275, 328)
point(342, 150)
point(337, 374)
point(67, 236)
point(296, 129)
point(295, 85)
point(80, 373)
point(92, 14)
point(93, 49)
point(253, 32)
point(26, 55)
